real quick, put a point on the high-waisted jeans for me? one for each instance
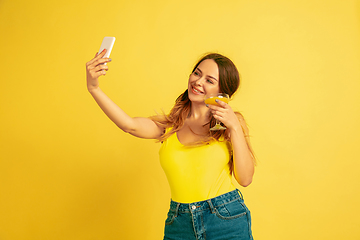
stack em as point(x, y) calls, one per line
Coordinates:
point(225, 217)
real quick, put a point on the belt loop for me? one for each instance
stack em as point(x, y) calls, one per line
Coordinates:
point(177, 209)
point(211, 206)
point(240, 194)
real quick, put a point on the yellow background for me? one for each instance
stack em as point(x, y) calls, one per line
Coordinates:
point(67, 172)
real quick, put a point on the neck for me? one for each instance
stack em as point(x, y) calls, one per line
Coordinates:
point(199, 111)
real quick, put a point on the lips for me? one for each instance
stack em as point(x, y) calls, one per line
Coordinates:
point(196, 91)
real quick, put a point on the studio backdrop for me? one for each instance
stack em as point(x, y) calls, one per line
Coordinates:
point(68, 173)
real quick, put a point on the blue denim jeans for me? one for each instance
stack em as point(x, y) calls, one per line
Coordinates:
point(225, 217)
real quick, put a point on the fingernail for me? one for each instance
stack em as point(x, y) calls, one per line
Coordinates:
point(109, 59)
point(216, 100)
point(207, 105)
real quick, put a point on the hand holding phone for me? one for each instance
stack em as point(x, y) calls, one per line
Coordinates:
point(97, 66)
point(107, 43)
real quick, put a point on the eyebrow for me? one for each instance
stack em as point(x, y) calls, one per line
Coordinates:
point(207, 75)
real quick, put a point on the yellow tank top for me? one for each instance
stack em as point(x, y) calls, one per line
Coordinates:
point(196, 173)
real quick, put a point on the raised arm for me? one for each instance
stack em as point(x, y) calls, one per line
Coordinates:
point(139, 127)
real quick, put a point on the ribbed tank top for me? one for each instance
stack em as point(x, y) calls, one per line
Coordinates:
point(196, 173)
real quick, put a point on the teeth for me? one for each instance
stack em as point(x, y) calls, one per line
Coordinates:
point(195, 90)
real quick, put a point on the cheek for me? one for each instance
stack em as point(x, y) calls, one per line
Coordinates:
point(191, 79)
point(189, 84)
point(213, 89)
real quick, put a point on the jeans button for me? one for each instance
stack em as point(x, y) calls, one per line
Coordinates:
point(193, 207)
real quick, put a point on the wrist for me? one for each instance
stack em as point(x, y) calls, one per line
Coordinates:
point(236, 128)
point(93, 89)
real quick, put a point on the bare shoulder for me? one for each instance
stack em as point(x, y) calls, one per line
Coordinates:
point(243, 123)
point(240, 116)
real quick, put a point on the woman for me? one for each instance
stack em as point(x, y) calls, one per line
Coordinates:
point(198, 163)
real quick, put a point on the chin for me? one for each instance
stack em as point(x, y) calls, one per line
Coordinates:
point(196, 98)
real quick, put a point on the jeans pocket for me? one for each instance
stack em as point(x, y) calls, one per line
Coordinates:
point(231, 210)
point(170, 217)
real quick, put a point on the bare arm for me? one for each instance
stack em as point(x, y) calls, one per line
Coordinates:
point(139, 127)
point(243, 159)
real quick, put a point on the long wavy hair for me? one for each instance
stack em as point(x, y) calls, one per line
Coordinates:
point(229, 82)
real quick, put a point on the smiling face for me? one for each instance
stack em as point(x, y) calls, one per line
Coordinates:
point(204, 80)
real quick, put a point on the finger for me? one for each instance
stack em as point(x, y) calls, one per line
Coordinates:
point(215, 113)
point(214, 107)
point(223, 112)
point(99, 73)
point(100, 55)
point(96, 72)
point(92, 60)
point(97, 57)
point(218, 117)
point(93, 71)
point(221, 103)
point(102, 61)
point(100, 68)
point(95, 63)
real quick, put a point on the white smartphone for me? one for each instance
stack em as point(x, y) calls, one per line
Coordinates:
point(107, 43)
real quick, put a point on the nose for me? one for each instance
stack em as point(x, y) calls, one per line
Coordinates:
point(200, 81)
